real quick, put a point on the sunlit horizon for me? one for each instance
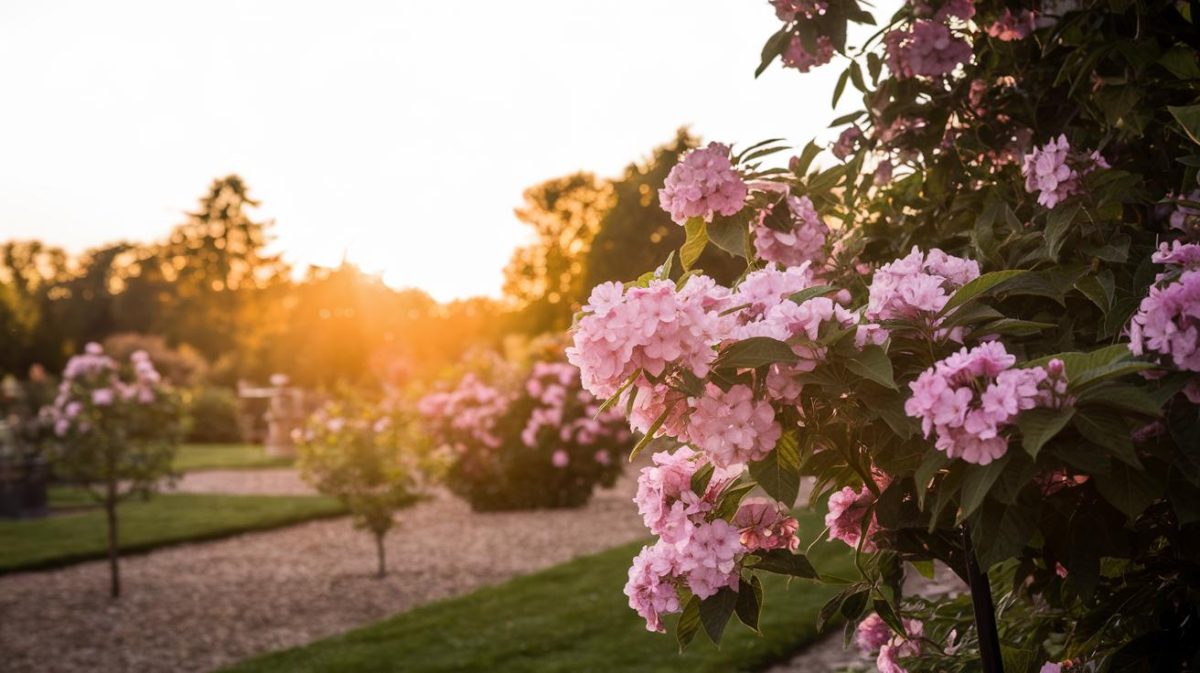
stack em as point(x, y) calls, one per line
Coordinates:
point(388, 135)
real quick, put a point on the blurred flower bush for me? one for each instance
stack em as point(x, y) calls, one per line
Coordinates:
point(528, 441)
point(977, 330)
point(369, 456)
point(115, 427)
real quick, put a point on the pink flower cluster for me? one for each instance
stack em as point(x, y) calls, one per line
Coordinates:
point(572, 415)
point(847, 142)
point(1011, 27)
point(788, 10)
point(969, 424)
point(848, 509)
point(798, 57)
point(93, 380)
point(466, 415)
point(1168, 320)
point(732, 427)
point(874, 635)
point(915, 287)
point(804, 242)
point(695, 549)
point(702, 184)
point(1184, 217)
point(927, 49)
point(1054, 172)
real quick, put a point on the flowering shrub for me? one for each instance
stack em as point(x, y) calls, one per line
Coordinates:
point(369, 457)
point(523, 443)
point(115, 430)
point(990, 360)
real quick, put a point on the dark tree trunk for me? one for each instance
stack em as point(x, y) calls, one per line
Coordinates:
point(380, 555)
point(985, 611)
point(114, 568)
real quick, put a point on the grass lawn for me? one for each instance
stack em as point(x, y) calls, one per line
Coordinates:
point(569, 618)
point(145, 525)
point(225, 457)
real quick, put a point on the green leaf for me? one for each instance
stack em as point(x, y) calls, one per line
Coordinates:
point(1109, 432)
point(779, 217)
point(979, 286)
point(1099, 288)
point(650, 432)
point(774, 46)
point(810, 152)
point(701, 478)
point(755, 352)
point(1128, 489)
point(1058, 224)
point(779, 473)
point(731, 499)
point(873, 364)
point(1123, 397)
point(715, 612)
point(1189, 118)
point(749, 602)
point(976, 484)
point(697, 239)
point(689, 623)
point(811, 293)
point(784, 562)
point(934, 461)
point(729, 233)
point(840, 86)
point(1039, 426)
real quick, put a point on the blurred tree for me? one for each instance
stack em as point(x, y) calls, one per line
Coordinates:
point(545, 278)
point(636, 234)
point(29, 273)
point(214, 263)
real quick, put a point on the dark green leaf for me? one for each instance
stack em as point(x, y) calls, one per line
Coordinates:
point(779, 473)
point(977, 481)
point(873, 364)
point(749, 602)
point(1110, 432)
point(1189, 118)
point(811, 293)
point(689, 623)
point(784, 562)
point(979, 286)
point(1039, 426)
point(715, 612)
point(1128, 489)
point(755, 352)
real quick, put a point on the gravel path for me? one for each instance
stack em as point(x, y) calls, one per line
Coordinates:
point(197, 607)
point(273, 481)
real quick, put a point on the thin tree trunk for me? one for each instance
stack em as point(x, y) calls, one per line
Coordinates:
point(985, 610)
point(110, 509)
point(379, 552)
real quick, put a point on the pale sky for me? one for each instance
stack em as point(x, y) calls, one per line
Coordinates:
point(398, 133)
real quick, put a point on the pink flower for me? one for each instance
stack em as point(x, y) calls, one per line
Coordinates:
point(907, 645)
point(916, 287)
point(846, 143)
point(883, 173)
point(796, 56)
point(968, 398)
point(803, 242)
point(651, 588)
point(560, 459)
point(1053, 171)
point(1168, 322)
point(102, 397)
point(602, 457)
point(710, 557)
point(927, 49)
point(1182, 255)
point(847, 509)
point(764, 524)
point(872, 633)
point(1187, 218)
point(648, 328)
point(93, 348)
point(732, 427)
point(1050, 667)
point(788, 10)
point(1011, 27)
point(702, 184)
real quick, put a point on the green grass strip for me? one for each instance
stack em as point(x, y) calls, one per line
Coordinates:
point(192, 457)
point(145, 525)
point(570, 618)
